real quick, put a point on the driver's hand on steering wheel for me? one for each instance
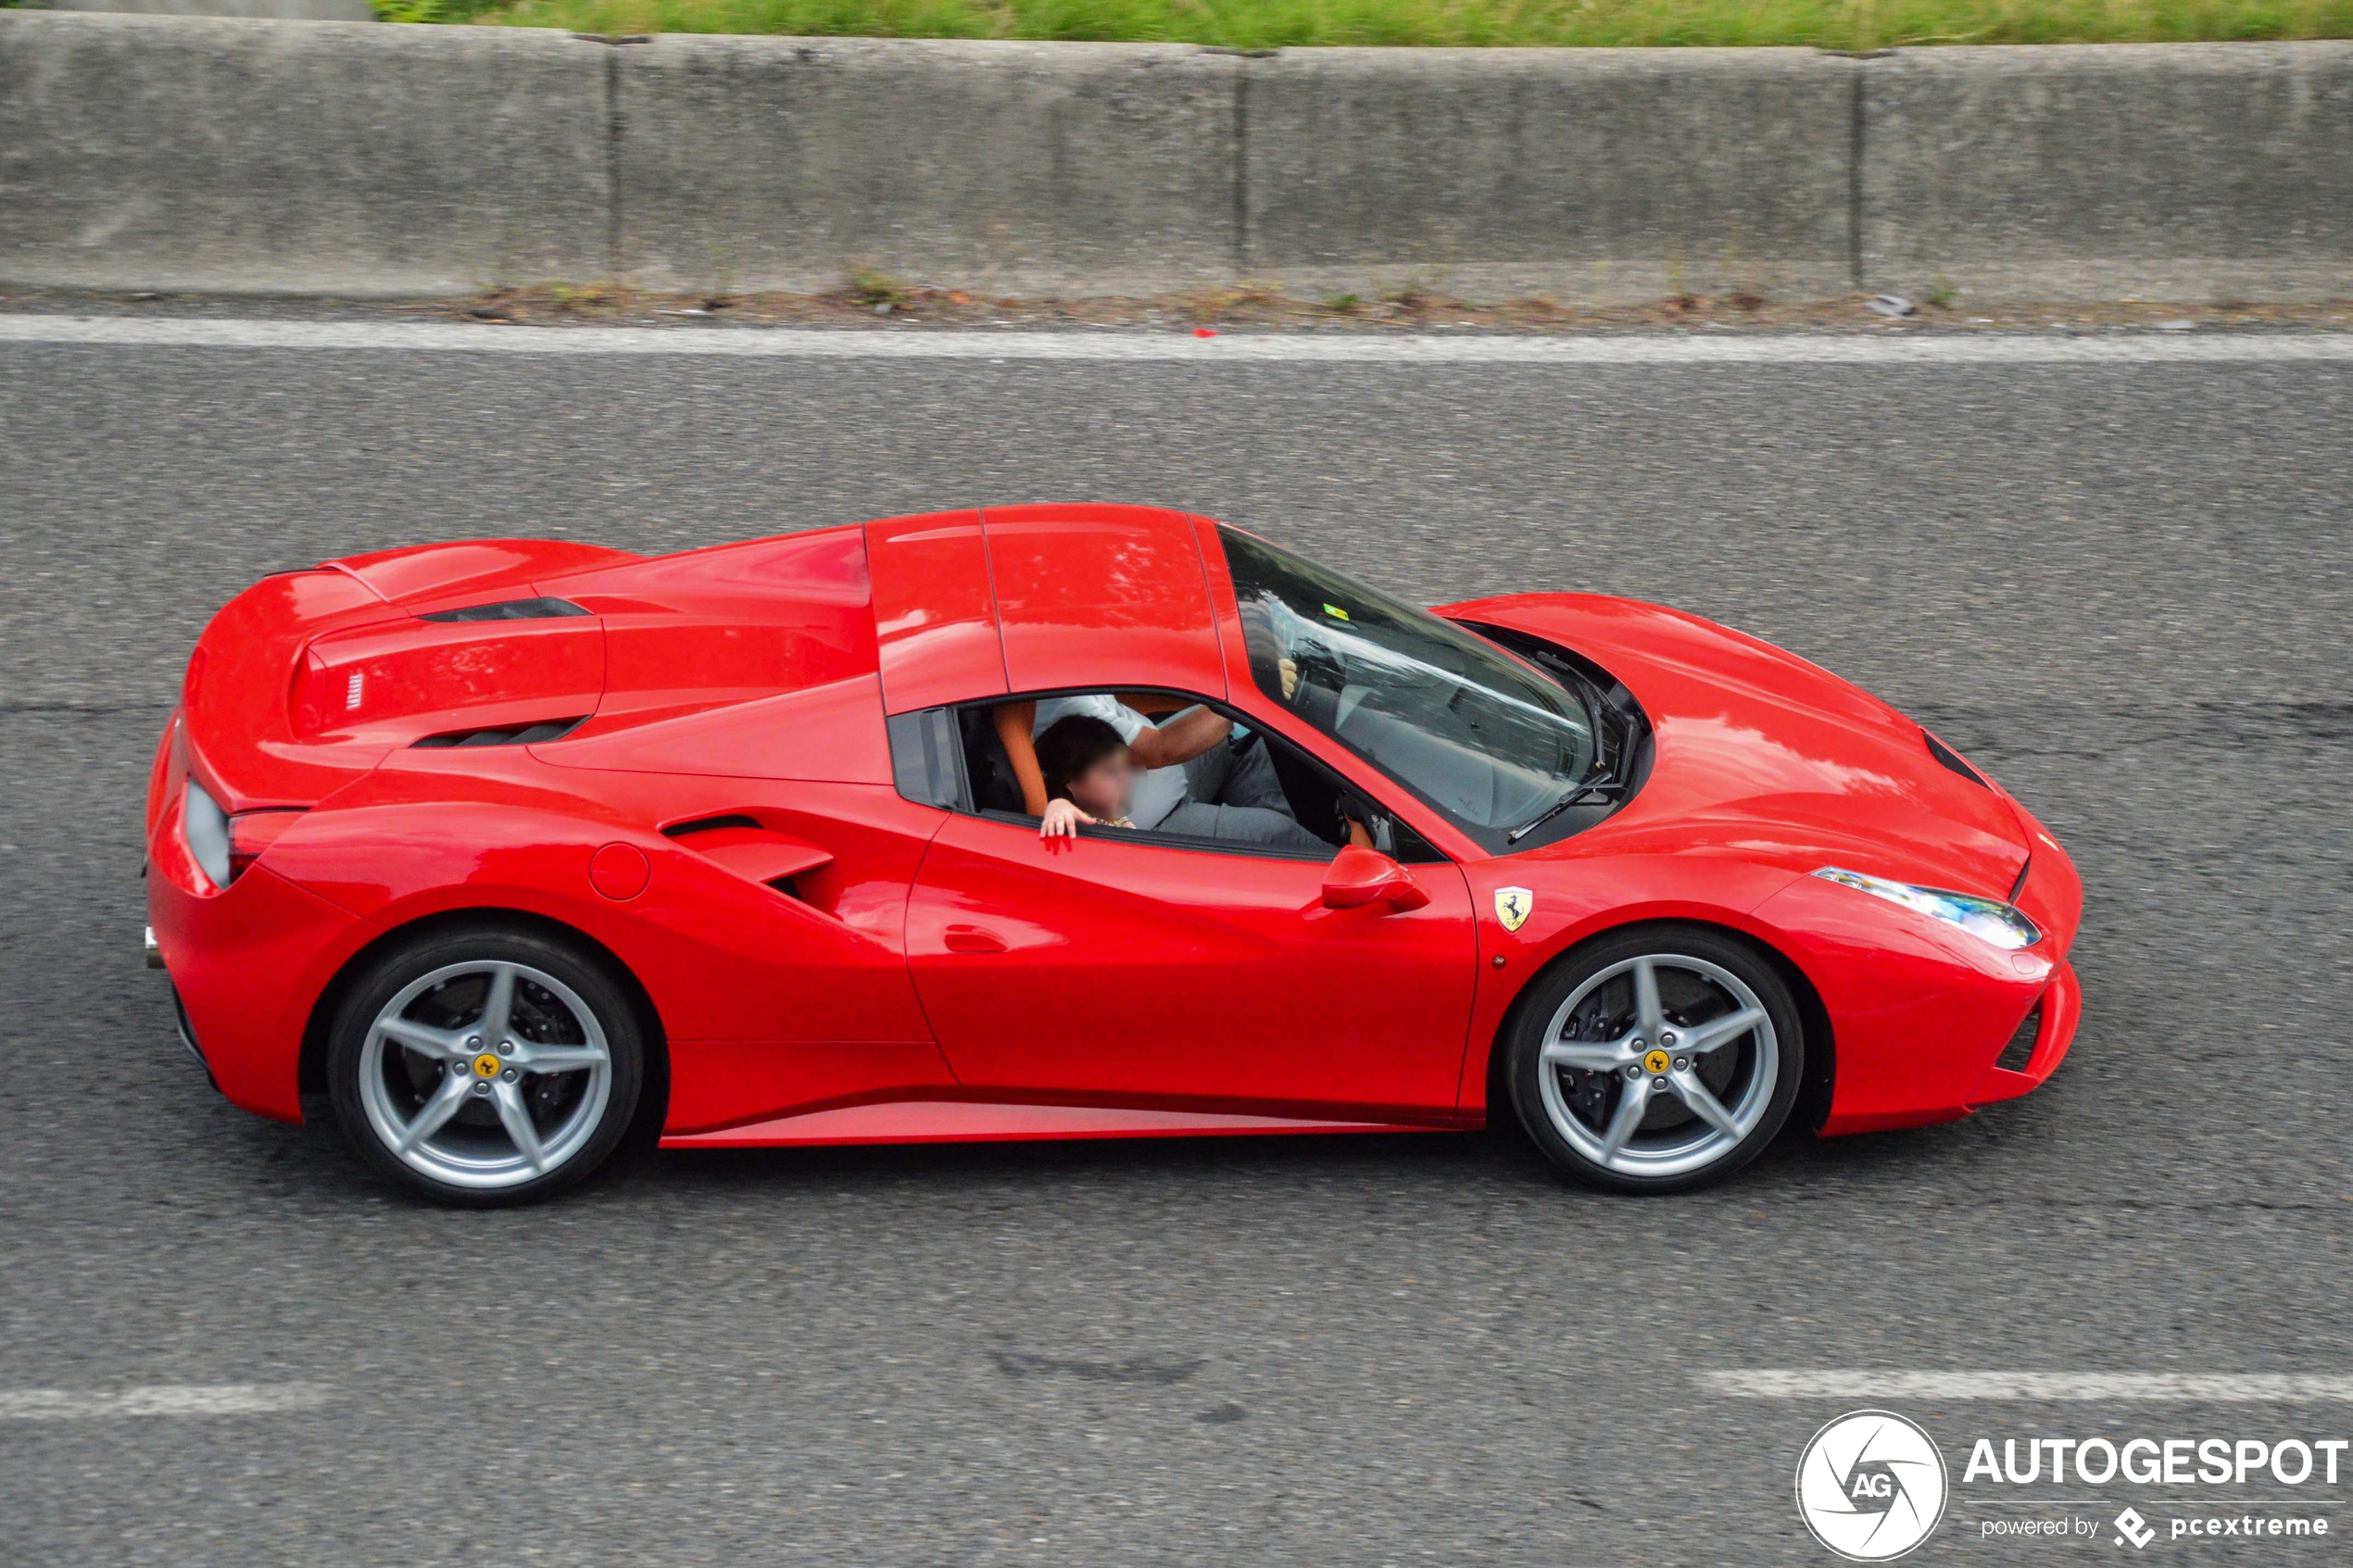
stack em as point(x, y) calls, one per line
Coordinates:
point(1289, 670)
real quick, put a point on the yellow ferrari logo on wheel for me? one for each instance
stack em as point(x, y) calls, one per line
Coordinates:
point(1513, 905)
point(486, 1066)
point(1654, 1062)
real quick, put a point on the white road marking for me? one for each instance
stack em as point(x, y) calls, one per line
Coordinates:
point(1863, 348)
point(2179, 1387)
point(161, 1398)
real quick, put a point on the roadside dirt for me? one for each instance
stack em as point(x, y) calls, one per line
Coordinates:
point(881, 303)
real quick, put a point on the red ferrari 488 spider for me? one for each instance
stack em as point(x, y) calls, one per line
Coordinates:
point(507, 848)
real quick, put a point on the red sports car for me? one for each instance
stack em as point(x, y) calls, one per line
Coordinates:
point(510, 847)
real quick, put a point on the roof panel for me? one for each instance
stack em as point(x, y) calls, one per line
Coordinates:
point(1102, 596)
point(935, 616)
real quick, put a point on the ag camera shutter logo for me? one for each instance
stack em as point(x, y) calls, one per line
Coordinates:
point(1871, 1485)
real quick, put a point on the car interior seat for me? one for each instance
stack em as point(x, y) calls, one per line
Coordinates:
point(986, 766)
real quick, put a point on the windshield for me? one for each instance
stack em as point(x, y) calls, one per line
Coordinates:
point(1473, 732)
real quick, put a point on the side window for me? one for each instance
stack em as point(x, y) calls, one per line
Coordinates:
point(1336, 814)
point(1246, 791)
point(926, 759)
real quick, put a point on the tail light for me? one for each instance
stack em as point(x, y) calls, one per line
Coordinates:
point(250, 832)
point(224, 846)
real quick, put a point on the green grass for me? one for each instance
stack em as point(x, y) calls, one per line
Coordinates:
point(1261, 24)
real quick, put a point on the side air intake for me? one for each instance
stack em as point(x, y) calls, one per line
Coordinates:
point(507, 734)
point(510, 610)
point(712, 824)
point(2020, 1050)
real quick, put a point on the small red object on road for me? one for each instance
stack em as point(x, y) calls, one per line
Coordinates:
point(1203, 331)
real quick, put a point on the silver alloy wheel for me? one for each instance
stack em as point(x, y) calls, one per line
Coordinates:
point(1668, 1093)
point(488, 1091)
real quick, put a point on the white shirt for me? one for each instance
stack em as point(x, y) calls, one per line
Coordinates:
point(1158, 791)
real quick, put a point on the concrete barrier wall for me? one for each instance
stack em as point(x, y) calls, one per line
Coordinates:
point(1583, 174)
point(757, 163)
point(253, 157)
point(317, 158)
point(2163, 171)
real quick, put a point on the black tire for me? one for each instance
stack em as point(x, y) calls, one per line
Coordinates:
point(554, 981)
point(1665, 1129)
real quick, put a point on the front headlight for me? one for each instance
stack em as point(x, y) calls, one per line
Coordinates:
point(1989, 920)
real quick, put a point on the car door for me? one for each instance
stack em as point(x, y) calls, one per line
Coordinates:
point(1123, 966)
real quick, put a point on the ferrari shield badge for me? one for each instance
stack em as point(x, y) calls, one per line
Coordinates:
point(1513, 905)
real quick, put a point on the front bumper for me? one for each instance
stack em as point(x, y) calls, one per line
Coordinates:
point(2061, 1007)
point(1921, 1011)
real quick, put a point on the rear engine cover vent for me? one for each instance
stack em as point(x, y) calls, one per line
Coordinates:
point(2020, 1050)
point(509, 734)
point(1952, 760)
point(510, 610)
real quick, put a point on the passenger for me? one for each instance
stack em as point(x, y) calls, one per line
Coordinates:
point(1091, 780)
point(1191, 766)
point(1089, 772)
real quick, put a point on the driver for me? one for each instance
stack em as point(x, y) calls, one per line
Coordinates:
point(1087, 746)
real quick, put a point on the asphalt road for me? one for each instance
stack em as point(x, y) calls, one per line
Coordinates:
point(2124, 589)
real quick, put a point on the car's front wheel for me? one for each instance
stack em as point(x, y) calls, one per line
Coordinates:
point(484, 1065)
point(1658, 1060)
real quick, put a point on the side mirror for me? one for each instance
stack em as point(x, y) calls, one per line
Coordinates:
point(1359, 876)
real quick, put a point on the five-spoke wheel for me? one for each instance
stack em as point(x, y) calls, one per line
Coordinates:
point(1656, 1061)
point(485, 1065)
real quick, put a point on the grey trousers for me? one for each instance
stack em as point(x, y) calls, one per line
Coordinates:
point(1235, 794)
point(1247, 824)
point(1223, 776)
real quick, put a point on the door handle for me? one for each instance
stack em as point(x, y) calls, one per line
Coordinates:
point(972, 939)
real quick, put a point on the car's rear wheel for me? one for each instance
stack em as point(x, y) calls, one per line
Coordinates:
point(485, 1065)
point(1658, 1060)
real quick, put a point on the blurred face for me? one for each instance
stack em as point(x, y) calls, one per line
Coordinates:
point(1101, 790)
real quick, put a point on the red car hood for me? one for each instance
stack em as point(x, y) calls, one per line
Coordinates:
point(1764, 755)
